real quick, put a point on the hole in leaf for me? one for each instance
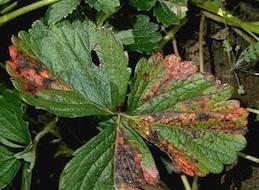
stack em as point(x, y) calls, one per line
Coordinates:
point(95, 58)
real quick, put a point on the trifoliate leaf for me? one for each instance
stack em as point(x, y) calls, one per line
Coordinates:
point(170, 12)
point(143, 4)
point(117, 158)
point(106, 6)
point(63, 78)
point(13, 129)
point(186, 114)
point(60, 10)
point(9, 166)
point(144, 36)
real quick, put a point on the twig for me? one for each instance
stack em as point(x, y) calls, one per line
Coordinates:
point(249, 72)
point(244, 35)
point(170, 35)
point(254, 36)
point(6, 18)
point(186, 183)
point(201, 34)
point(253, 110)
point(248, 157)
point(176, 52)
point(195, 185)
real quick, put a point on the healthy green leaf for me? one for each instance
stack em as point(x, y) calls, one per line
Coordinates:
point(81, 88)
point(170, 12)
point(60, 10)
point(186, 114)
point(143, 4)
point(112, 160)
point(9, 166)
point(143, 37)
point(106, 6)
point(13, 129)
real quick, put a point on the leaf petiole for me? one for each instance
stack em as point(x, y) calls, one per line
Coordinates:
point(186, 183)
point(248, 157)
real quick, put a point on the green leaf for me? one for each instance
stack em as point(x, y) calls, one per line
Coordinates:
point(13, 129)
point(106, 6)
point(60, 10)
point(9, 166)
point(79, 87)
point(170, 12)
point(112, 160)
point(249, 55)
point(144, 36)
point(186, 114)
point(143, 4)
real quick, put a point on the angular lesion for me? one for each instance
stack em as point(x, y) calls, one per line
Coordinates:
point(130, 173)
point(31, 75)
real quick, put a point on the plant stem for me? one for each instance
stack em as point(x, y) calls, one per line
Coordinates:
point(48, 128)
point(6, 18)
point(248, 157)
point(186, 183)
point(253, 110)
point(170, 35)
point(201, 34)
point(226, 16)
point(9, 8)
point(195, 185)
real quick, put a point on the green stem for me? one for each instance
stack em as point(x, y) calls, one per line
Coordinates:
point(6, 18)
point(48, 128)
point(253, 110)
point(170, 35)
point(226, 16)
point(195, 185)
point(186, 183)
point(248, 157)
point(9, 8)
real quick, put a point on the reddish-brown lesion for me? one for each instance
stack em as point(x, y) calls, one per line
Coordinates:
point(235, 120)
point(130, 173)
point(174, 69)
point(180, 162)
point(33, 75)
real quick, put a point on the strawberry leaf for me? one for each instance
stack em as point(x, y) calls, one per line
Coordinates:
point(117, 158)
point(69, 83)
point(186, 114)
point(60, 10)
point(106, 6)
point(170, 12)
point(13, 129)
point(9, 166)
point(144, 36)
